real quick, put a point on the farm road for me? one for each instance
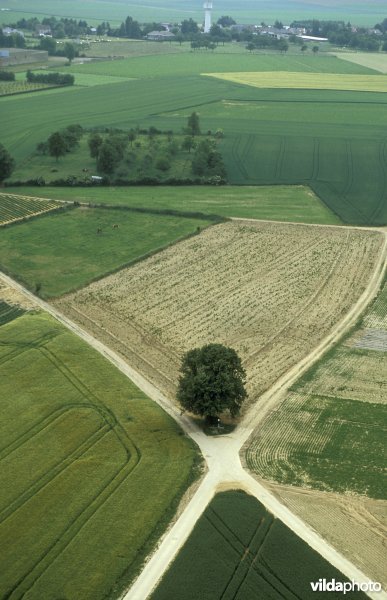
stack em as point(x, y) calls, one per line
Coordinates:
point(222, 453)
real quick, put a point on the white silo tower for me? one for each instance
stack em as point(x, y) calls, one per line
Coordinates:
point(207, 16)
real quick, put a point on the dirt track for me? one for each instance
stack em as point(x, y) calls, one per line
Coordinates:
point(222, 454)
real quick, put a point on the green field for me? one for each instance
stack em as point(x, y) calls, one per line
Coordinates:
point(278, 203)
point(323, 442)
point(61, 252)
point(246, 11)
point(333, 141)
point(238, 550)
point(90, 468)
point(194, 63)
point(329, 433)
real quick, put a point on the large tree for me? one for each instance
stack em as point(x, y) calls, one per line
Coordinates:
point(189, 26)
point(193, 125)
point(6, 163)
point(69, 51)
point(95, 141)
point(212, 381)
point(57, 145)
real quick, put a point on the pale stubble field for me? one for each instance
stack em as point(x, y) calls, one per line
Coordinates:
point(271, 291)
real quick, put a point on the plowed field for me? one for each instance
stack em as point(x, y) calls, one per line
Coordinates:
point(270, 291)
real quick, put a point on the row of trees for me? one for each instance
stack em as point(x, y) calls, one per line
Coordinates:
point(59, 27)
point(51, 78)
point(267, 41)
point(343, 34)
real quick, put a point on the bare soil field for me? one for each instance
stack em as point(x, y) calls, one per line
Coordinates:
point(355, 526)
point(13, 297)
point(271, 291)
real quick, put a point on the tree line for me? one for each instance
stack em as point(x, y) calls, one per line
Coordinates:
point(51, 78)
point(344, 34)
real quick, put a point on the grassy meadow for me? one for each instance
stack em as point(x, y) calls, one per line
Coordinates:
point(331, 140)
point(278, 203)
point(91, 469)
point(62, 252)
point(239, 550)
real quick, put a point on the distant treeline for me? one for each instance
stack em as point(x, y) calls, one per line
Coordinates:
point(51, 78)
point(7, 76)
point(344, 35)
point(337, 32)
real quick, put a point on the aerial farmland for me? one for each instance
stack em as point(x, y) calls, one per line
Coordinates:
point(205, 191)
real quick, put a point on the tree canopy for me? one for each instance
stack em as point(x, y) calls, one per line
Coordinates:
point(193, 125)
point(212, 381)
point(6, 163)
point(69, 51)
point(57, 145)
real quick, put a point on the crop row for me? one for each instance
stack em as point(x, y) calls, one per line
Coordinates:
point(239, 550)
point(377, 315)
point(8, 312)
point(14, 207)
point(20, 87)
point(81, 428)
point(348, 175)
point(322, 442)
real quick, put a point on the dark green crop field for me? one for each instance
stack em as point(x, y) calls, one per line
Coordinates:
point(239, 551)
point(333, 141)
point(91, 469)
point(58, 253)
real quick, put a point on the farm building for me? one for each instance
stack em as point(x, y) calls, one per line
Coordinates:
point(159, 36)
point(21, 56)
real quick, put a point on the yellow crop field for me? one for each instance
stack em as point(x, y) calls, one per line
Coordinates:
point(307, 81)
point(271, 291)
point(372, 60)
